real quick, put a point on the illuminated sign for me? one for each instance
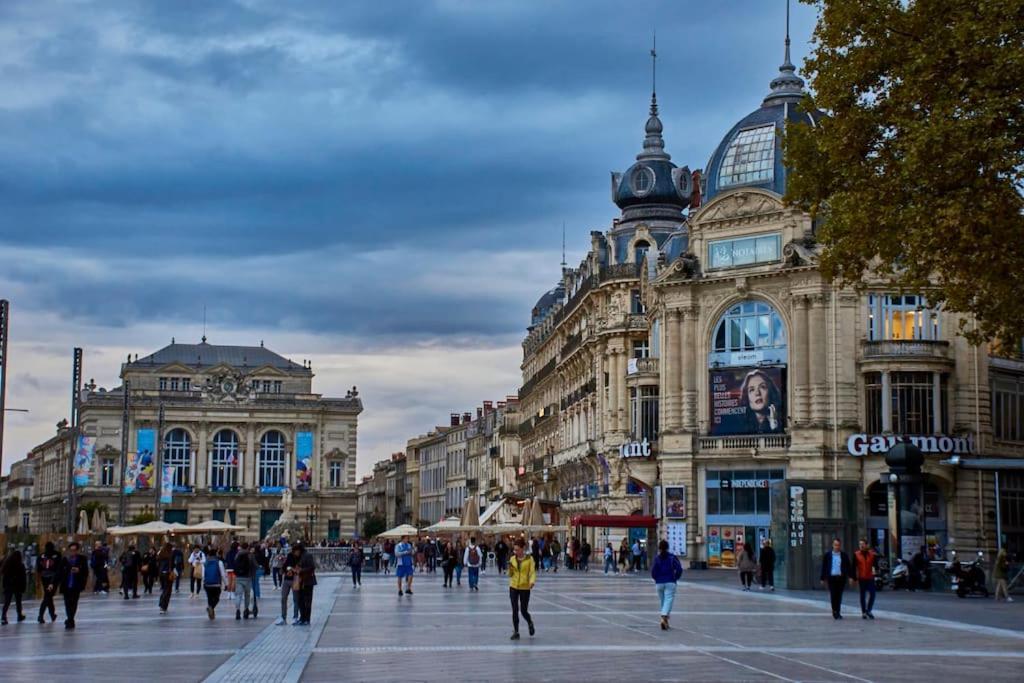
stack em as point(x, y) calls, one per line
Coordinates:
point(863, 444)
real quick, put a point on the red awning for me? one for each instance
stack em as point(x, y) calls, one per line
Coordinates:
point(621, 521)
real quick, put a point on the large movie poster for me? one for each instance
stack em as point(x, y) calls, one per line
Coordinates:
point(750, 400)
point(84, 456)
point(145, 469)
point(675, 502)
point(303, 461)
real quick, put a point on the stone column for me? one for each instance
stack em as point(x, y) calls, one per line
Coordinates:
point(936, 403)
point(672, 399)
point(612, 412)
point(623, 393)
point(817, 341)
point(202, 465)
point(249, 459)
point(691, 369)
point(799, 360)
point(886, 402)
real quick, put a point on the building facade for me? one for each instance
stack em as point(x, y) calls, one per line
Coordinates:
point(236, 426)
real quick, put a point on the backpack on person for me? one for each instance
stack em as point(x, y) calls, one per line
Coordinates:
point(474, 555)
point(211, 573)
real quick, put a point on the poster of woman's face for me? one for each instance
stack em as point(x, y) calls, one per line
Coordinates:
point(747, 401)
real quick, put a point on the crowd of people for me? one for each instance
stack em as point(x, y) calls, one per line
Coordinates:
point(235, 570)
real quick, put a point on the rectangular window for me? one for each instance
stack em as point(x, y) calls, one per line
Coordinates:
point(746, 251)
point(163, 384)
point(107, 472)
point(1008, 408)
point(174, 384)
point(336, 474)
point(912, 406)
point(873, 402)
point(255, 384)
point(266, 386)
point(186, 384)
point(902, 317)
point(641, 349)
point(636, 303)
point(277, 386)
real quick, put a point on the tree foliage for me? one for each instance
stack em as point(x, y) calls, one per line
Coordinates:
point(374, 525)
point(916, 174)
point(142, 518)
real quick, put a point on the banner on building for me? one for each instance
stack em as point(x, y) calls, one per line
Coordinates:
point(676, 537)
point(167, 485)
point(748, 400)
point(303, 461)
point(84, 455)
point(145, 468)
point(131, 471)
point(675, 502)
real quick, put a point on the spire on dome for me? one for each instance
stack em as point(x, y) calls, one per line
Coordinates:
point(787, 85)
point(654, 144)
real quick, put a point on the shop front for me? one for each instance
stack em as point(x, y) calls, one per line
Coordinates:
point(737, 512)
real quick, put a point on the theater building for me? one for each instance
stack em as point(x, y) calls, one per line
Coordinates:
point(237, 425)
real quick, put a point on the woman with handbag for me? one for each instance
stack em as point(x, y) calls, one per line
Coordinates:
point(167, 573)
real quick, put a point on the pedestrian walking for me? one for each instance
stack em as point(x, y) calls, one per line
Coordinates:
point(48, 568)
point(167, 574)
point(448, 563)
point(637, 551)
point(15, 581)
point(215, 580)
point(149, 571)
point(624, 554)
point(289, 586)
point(178, 562)
point(585, 551)
point(501, 555)
point(245, 571)
point(1001, 574)
point(355, 563)
point(460, 550)
point(197, 563)
point(747, 565)
point(74, 575)
point(98, 563)
point(405, 569)
point(866, 560)
point(836, 570)
point(767, 563)
point(307, 581)
point(609, 558)
point(262, 566)
point(229, 564)
point(666, 572)
point(472, 558)
point(522, 575)
point(277, 565)
point(130, 562)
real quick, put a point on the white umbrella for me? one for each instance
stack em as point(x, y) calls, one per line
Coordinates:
point(399, 531)
point(83, 523)
point(451, 525)
point(100, 525)
point(213, 526)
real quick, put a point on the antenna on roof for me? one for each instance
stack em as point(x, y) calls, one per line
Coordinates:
point(204, 323)
point(563, 245)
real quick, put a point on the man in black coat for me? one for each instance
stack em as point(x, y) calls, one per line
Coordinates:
point(48, 568)
point(74, 575)
point(836, 570)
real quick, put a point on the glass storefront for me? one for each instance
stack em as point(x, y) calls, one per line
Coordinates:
point(737, 511)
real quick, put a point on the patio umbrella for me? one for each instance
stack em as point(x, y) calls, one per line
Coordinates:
point(536, 514)
point(399, 531)
point(213, 526)
point(525, 518)
point(100, 527)
point(448, 525)
point(83, 523)
point(471, 514)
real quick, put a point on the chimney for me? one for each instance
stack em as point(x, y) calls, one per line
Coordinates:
point(479, 413)
point(466, 418)
point(454, 419)
point(488, 406)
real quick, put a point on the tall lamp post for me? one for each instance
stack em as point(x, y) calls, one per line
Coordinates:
point(904, 460)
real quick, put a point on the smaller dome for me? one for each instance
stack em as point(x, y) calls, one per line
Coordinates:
point(544, 304)
point(653, 180)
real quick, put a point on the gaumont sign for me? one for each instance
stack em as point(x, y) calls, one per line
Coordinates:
point(635, 449)
point(863, 444)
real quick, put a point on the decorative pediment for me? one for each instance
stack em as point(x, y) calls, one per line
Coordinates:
point(174, 368)
point(739, 204)
point(107, 450)
point(267, 371)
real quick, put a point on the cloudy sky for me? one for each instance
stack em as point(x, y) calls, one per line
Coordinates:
point(377, 187)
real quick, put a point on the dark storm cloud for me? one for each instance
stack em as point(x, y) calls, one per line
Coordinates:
point(213, 133)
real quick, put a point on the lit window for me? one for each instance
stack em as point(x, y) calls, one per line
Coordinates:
point(750, 325)
point(107, 472)
point(901, 317)
point(750, 157)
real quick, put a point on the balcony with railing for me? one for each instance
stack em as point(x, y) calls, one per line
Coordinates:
point(926, 349)
point(620, 271)
point(572, 342)
point(643, 366)
point(746, 442)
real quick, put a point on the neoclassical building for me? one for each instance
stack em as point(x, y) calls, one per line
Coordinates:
point(237, 425)
point(697, 367)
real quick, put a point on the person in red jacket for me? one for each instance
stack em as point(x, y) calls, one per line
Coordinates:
point(866, 561)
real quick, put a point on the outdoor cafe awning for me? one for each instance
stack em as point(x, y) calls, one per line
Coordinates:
point(616, 521)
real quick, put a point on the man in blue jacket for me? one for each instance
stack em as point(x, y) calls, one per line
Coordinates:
point(666, 571)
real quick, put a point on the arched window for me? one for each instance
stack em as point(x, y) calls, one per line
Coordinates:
point(224, 461)
point(749, 326)
point(178, 454)
point(271, 460)
point(640, 250)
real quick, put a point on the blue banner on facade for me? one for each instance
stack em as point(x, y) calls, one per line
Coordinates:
point(84, 455)
point(167, 485)
point(145, 469)
point(303, 461)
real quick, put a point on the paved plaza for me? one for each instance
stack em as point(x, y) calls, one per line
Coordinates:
point(589, 627)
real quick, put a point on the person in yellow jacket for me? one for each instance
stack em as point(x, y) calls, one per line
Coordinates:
point(522, 574)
